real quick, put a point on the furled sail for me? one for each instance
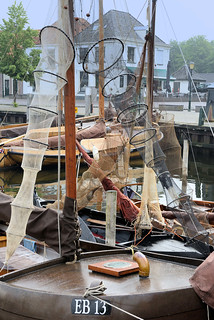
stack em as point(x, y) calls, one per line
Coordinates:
point(50, 76)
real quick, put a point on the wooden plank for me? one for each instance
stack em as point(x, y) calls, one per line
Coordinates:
point(3, 241)
point(103, 223)
point(108, 142)
point(115, 267)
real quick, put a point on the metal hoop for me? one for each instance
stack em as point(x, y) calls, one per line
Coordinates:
point(44, 109)
point(142, 141)
point(54, 27)
point(53, 74)
point(113, 79)
point(94, 45)
point(125, 120)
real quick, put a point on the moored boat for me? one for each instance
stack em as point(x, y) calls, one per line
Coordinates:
point(66, 288)
point(59, 290)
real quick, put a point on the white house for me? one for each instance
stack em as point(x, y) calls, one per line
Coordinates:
point(131, 32)
point(182, 79)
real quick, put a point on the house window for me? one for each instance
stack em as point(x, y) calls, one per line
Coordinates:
point(83, 81)
point(7, 87)
point(159, 57)
point(97, 79)
point(121, 81)
point(82, 53)
point(129, 79)
point(97, 54)
point(51, 58)
point(176, 87)
point(15, 86)
point(130, 54)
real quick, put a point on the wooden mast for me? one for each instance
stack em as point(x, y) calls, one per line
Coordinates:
point(101, 61)
point(70, 129)
point(150, 68)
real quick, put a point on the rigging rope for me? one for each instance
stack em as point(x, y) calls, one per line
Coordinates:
point(120, 309)
point(189, 73)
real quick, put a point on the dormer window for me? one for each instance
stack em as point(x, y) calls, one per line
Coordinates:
point(130, 54)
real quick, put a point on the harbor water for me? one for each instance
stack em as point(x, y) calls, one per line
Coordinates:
point(200, 179)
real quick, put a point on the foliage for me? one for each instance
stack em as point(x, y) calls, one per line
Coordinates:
point(196, 49)
point(15, 41)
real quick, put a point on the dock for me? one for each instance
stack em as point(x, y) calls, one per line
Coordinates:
point(188, 125)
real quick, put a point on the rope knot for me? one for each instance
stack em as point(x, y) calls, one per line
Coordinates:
point(96, 288)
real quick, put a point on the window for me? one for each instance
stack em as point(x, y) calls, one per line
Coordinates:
point(176, 87)
point(15, 86)
point(7, 87)
point(83, 81)
point(131, 54)
point(82, 53)
point(159, 57)
point(97, 79)
point(121, 81)
point(97, 54)
point(51, 58)
point(129, 79)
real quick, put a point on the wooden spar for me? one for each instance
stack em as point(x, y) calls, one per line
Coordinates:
point(101, 61)
point(70, 129)
point(150, 68)
point(142, 63)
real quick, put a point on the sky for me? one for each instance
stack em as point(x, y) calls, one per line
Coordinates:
point(175, 19)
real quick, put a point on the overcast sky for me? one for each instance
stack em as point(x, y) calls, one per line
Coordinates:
point(175, 19)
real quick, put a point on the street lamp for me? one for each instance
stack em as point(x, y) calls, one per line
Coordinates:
point(191, 67)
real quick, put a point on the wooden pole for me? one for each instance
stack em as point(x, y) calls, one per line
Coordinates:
point(111, 209)
point(185, 165)
point(70, 129)
point(101, 61)
point(150, 68)
point(142, 63)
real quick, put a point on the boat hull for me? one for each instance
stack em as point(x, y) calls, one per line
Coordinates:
point(54, 290)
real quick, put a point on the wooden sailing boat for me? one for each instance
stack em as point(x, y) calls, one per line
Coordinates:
point(59, 290)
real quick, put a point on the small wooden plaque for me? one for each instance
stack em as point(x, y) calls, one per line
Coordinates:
point(115, 267)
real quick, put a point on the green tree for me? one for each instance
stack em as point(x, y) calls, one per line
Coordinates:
point(15, 38)
point(197, 49)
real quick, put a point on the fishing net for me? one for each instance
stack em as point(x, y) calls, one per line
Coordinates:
point(119, 85)
point(98, 175)
point(50, 77)
point(146, 141)
point(170, 145)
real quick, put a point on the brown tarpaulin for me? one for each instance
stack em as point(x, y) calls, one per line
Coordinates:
point(96, 131)
point(43, 225)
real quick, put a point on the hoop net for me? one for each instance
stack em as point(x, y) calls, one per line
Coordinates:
point(146, 141)
point(103, 55)
point(50, 76)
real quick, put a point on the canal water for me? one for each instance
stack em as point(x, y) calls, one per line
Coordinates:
point(200, 179)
